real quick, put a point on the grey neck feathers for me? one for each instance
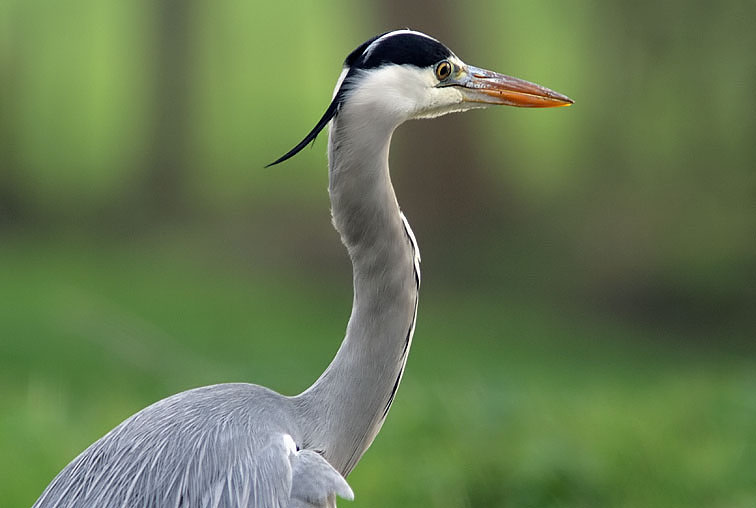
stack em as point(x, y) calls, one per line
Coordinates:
point(345, 408)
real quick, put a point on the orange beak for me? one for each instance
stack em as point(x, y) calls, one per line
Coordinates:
point(488, 87)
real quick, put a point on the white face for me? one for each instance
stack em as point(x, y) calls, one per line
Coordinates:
point(396, 93)
point(393, 94)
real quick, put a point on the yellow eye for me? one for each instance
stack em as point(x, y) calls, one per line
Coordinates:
point(443, 70)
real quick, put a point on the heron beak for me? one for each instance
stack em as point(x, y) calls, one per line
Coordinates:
point(488, 87)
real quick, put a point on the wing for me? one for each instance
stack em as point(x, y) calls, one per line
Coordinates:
point(217, 447)
point(315, 482)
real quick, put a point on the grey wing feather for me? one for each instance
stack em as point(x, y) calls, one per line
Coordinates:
point(315, 481)
point(220, 446)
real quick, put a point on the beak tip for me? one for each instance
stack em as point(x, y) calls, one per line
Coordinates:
point(566, 101)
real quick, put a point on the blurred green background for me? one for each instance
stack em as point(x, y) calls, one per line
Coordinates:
point(586, 327)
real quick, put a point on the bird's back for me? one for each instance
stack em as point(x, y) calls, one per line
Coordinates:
point(229, 445)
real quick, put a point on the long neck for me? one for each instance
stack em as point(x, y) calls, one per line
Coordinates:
point(347, 405)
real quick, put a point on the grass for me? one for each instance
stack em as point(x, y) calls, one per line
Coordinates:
point(504, 403)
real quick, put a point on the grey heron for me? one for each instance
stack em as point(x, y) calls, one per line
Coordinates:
point(243, 445)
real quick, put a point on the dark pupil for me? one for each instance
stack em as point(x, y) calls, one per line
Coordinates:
point(443, 70)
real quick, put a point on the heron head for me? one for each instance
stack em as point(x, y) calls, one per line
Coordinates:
point(404, 74)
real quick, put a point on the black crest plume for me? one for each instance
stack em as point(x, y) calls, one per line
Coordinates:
point(333, 108)
point(330, 113)
point(401, 48)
